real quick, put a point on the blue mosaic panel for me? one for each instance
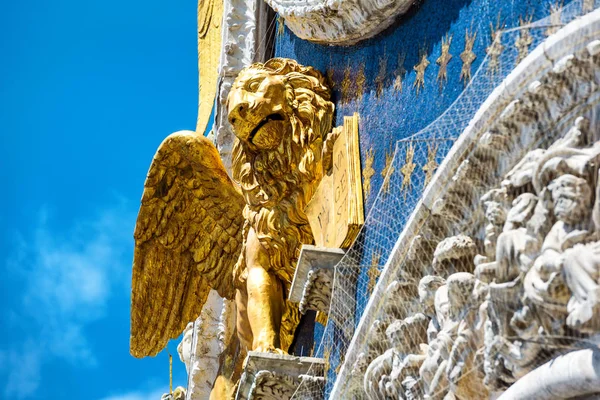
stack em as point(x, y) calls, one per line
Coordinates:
point(392, 104)
point(406, 79)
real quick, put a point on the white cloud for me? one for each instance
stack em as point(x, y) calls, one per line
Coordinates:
point(139, 395)
point(24, 366)
point(68, 276)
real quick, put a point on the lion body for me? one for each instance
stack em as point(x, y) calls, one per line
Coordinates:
point(278, 183)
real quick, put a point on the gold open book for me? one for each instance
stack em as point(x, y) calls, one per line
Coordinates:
point(335, 212)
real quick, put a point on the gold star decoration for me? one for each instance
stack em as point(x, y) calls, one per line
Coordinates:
point(555, 16)
point(380, 78)
point(387, 171)
point(407, 169)
point(400, 72)
point(360, 81)
point(339, 367)
point(495, 49)
point(280, 26)
point(467, 57)
point(524, 39)
point(326, 357)
point(346, 85)
point(444, 59)
point(420, 68)
point(588, 5)
point(431, 165)
point(373, 272)
point(368, 171)
point(330, 78)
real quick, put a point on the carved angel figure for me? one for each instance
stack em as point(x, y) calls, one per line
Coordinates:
point(388, 376)
point(198, 230)
point(451, 369)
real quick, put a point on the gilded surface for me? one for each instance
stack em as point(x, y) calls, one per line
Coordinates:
point(346, 82)
point(495, 49)
point(335, 220)
point(387, 171)
point(400, 72)
point(380, 78)
point(467, 57)
point(524, 40)
point(431, 165)
point(197, 230)
point(407, 169)
point(281, 115)
point(443, 60)
point(420, 69)
point(210, 14)
point(361, 79)
point(368, 172)
point(188, 236)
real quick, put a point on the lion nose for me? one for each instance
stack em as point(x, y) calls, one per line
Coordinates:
point(239, 112)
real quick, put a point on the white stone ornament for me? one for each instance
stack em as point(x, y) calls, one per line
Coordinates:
point(339, 22)
point(510, 278)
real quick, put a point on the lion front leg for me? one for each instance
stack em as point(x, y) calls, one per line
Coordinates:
point(265, 302)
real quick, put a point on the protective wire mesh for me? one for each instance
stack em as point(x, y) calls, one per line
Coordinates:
point(402, 324)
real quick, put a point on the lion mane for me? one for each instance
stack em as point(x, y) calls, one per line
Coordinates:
point(278, 183)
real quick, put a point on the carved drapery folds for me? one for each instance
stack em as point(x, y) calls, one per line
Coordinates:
point(509, 278)
point(340, 22)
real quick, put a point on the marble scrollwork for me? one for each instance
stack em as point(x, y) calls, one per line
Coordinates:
point(317, 291)
point(511, 280)
point(339, 22)
point(275, 377)
point(273, 386)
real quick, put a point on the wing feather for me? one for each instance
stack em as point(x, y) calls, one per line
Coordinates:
point(188, 237)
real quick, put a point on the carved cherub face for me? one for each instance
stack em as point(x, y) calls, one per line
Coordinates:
point(494, 212)
point(258, 107)
point(571, 197)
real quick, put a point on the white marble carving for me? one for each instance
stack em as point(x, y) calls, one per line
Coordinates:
point(317, 291)
point(396, 371)
point(184, 349)
point(339, 22)
point(537, 283)
point(243, 42)
point(511, 292)
point(277, 377)
point(200, 348)
point(313, 278)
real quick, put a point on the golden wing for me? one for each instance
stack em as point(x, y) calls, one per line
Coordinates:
point(188, 237)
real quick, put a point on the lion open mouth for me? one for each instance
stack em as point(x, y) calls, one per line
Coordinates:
point(266, 120)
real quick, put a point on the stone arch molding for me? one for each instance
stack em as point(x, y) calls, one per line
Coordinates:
point(339, 22)
point(511, 266)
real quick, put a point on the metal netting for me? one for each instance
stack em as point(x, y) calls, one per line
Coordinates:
point(416, 160)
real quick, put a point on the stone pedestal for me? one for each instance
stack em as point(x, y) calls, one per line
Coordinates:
point(278, 377)
point(314, 278)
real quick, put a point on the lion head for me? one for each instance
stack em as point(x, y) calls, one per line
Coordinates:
point(281, 114)
point(278, 98)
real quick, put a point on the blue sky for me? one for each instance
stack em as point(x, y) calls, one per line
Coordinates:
point(88, 90)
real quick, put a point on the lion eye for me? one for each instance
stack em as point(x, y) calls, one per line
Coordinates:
point(253, 86)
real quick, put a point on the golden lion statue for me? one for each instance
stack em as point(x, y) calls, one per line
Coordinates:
point(197, 230)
